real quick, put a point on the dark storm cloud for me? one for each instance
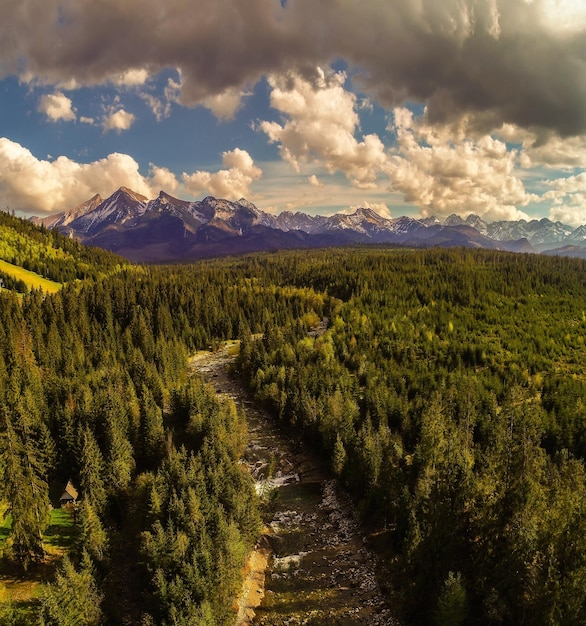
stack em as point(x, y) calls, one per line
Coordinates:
point(495, 61)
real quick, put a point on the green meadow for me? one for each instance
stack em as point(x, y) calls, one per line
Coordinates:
point(32, 280)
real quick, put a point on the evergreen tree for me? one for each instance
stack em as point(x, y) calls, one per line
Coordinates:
point(73, 599)
point(25, 489)
point(92, 471)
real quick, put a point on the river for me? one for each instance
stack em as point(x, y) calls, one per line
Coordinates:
point(312, 565)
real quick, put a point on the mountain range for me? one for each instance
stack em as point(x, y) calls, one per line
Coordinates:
point(168, 229)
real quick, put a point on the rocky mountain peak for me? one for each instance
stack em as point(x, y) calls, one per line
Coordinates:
point(169, 229)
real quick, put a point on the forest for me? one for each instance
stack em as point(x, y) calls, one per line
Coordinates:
point(447, 393)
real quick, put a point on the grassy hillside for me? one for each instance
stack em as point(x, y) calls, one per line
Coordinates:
point(34, 257)
point(25, 279)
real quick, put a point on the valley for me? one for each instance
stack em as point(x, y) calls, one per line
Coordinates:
point(440, 390)
point(320, 569)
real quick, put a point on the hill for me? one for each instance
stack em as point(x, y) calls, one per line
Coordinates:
point(33, 257)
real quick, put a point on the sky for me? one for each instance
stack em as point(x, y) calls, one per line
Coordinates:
point(409, 107)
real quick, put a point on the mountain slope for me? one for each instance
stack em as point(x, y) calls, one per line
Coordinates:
point(27, 248)
point(167, 229)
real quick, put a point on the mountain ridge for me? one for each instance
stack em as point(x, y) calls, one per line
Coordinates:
point(169, 229)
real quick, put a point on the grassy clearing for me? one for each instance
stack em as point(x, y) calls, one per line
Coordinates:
point(61, 532)
point(32, 280)
point(20, 591)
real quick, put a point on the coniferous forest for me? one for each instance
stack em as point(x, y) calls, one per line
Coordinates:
point(448, 394)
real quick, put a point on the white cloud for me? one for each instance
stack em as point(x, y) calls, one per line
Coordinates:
point(57, 106)
point(160, 108)
point(568, 196)
point(557, 153)
point(566, 16)
point(570, 210)
point(225, 105)
point(320, 126)
point(230, 183)
point(134, 77)
point(314, 181)
point(34, 186)
point(87, 120)
point(436, 167)
point(442, 177)
point(118, 120)
point(381, 208)
point(163, 178)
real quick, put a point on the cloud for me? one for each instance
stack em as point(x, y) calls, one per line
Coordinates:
point(378, 207)
point(314, 181)
point(519, 61)
point(163, 178)
point(436, 167)
point(230, 183)
point(441, 176)
point(160, 108)
point(132, 78)
point(118, 120)
point(57, 107)
point(568, 196)
point(381, 208)
point(34, 186)
point(320, 125)
point(570, 209)
point(225, 105)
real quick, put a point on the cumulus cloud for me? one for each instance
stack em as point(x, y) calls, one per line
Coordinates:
point(225, 105)
point(570, 209)
point(230, 183)
point(568, 196)
point(442, 177)
point(551, 151)
point(163, 178)
point(118, 120)
point(35, 186)
point(321, 122)
point(435, 167)
point(379, 207)
point(518, 61)
point(57, 106)
point(132, 78)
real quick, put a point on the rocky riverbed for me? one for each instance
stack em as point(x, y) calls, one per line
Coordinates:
point(312, 565)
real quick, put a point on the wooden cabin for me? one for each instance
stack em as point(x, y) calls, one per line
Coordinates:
point(69, 496)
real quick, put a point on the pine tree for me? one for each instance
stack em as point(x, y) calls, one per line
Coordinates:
point(92, 471)
point(25, 489)
point(94, 538)
point(73, 600)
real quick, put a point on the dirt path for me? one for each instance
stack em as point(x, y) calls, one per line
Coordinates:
point(312, 566)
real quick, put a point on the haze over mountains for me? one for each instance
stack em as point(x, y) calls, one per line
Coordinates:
point(168, 229)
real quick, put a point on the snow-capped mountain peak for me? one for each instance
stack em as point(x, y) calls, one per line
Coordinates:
point(174, 229)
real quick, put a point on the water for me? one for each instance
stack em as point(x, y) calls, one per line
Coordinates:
point(320, 570)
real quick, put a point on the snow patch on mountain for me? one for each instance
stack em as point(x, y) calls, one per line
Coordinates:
point(213, 221)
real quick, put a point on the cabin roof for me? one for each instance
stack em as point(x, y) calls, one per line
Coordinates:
point(70, 492)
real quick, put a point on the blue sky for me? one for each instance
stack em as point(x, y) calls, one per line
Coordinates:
point(410, 108)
